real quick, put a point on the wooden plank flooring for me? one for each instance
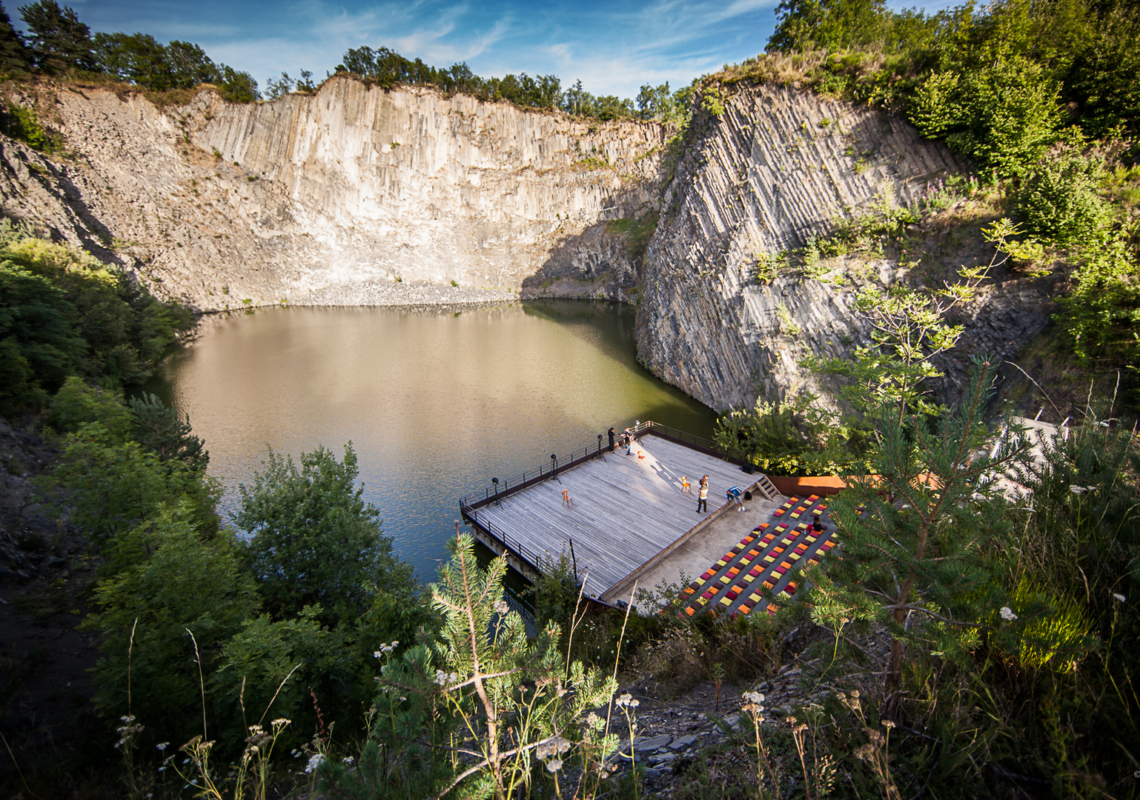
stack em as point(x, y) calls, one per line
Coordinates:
point(625, 509)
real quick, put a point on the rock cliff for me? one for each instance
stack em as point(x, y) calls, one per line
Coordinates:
point(777, 167)
point(349, 196)
point(360, 196)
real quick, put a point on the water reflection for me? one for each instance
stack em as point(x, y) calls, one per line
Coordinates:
point(435, 402)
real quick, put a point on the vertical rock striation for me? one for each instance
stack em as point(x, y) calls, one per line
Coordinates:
point(779, 166)
point(337, 197)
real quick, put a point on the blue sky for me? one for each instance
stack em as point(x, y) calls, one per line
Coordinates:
point(613, 46)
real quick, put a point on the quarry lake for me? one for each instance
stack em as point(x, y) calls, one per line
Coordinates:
point(435, 401)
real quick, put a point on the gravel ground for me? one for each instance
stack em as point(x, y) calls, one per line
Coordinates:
point(387, 293)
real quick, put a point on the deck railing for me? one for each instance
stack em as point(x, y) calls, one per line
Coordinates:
point(520, 550)
point(547, 471)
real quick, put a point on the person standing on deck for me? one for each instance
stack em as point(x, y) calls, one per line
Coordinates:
point(613, 445)
point(703, 495)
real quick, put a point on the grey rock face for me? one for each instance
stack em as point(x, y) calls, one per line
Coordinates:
point(338, 197)
point(778, 167)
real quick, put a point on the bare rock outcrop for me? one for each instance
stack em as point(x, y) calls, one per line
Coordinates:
point(331, 198)
point(777, 167)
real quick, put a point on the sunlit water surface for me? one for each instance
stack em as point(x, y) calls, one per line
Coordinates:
point(435, 403)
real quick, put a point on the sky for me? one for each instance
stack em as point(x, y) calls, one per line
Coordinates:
point(612, 46)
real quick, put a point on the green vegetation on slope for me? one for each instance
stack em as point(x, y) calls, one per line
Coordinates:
point(63, 313)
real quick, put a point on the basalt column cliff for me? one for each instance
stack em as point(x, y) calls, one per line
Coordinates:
point(338, 197)
point(778, 167)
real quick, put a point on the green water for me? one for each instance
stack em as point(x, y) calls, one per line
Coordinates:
point(435, 403)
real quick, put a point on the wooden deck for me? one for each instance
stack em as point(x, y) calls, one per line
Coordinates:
point(625, 509)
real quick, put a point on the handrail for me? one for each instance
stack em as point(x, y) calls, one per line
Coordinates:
point(530, 478)
point(523, 552)
point(584, 454)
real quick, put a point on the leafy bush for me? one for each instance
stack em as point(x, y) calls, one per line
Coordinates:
point(1005, 115)
point(77, 405)
point(712, 100)
point(313, 538)
point(119, 484)
point(169, 580)
point(1059, 199)
point(1102, 313)
point(67, 314)
point(23, 124)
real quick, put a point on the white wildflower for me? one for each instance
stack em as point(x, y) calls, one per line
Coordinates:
point(554, 764)
point(1077, 489)
point(445, 678)
point(1007, 614)
point(626, 700)
point(1119, 597)
point(348, 761)
point(385, 649)
point(161, 747)
point(502, 607)
point(314, 761)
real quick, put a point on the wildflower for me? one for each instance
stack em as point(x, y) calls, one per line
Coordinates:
point(1077, 489)
point(627, 700)
point(445, 678)
point(756, 698)
point(501, 607)
point(385, 649)
point(1119, 597)
point(554, 764)
point(164, 745)
point(347, 761)
point(314, 761)
point(1007, 614)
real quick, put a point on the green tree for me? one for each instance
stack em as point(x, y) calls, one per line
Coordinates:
point(827, 24)
point(119, 484)
point(235, 86)
point(919, 532)
point(506, 703)
point(1101, 314)
point(169, 581)
point(313, 538)
point(160, 429)
point(37, 322)
point(14, 55)
point(58, 40)
point(77, 405)
point(1059, 199)
point(275, 88)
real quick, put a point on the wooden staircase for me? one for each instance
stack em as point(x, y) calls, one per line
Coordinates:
point(767, 488)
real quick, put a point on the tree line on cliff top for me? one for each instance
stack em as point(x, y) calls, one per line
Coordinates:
point(59, 42)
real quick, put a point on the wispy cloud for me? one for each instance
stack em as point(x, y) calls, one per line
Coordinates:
point(613, 46)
